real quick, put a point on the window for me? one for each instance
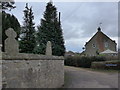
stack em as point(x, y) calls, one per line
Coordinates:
point(106, 44)
point(93, 45)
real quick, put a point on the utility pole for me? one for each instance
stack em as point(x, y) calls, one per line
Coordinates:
point(59, 18)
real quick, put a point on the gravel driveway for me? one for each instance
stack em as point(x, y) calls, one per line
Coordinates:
point(82, 78)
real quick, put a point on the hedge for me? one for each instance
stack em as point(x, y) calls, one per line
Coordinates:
point(82, 61)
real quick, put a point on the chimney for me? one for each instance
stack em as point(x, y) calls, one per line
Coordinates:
point(99, 29)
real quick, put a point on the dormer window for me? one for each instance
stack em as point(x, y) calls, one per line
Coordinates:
point(93, 45)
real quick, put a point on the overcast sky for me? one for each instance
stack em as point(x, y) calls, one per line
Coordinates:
point(79, 20)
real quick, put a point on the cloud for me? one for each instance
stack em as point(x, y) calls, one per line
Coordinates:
point(72, 30)
point(76, 45)
point(79, 20)
point(83, 22)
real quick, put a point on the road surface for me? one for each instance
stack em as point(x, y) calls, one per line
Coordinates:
point(82, 78)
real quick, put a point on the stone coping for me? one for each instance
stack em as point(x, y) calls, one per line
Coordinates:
point(23, 56)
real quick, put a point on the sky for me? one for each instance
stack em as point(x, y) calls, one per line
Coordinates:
point(79, 20)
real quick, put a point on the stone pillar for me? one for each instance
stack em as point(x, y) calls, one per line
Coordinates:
point(0, 53)
point(49, 49)
point(0, 47)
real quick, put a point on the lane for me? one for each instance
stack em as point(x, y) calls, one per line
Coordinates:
point(82, 78)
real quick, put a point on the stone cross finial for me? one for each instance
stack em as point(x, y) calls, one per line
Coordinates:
point(49, 48)
point(11, 45)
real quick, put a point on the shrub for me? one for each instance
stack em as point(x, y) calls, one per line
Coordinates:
point(82, 61)
point(98, 58)
point(70, 61)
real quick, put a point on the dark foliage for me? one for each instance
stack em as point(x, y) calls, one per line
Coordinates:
point(50, 30)
point(7, 5)
point(27, 39)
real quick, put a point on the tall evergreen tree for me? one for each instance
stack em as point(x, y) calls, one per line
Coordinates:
point(50, 30)
point(27, 42)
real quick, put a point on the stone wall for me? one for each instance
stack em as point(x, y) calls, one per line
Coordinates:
point(20, 70)
point(33, 73)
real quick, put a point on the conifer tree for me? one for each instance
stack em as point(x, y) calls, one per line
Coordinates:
point(50, 30)
point(27, 40)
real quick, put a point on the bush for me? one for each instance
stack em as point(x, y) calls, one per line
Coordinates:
point(82, 61)
point(70, 61)
point(98, 58)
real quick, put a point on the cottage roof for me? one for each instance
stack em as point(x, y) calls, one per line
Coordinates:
point(108, 51)
point(97, 34)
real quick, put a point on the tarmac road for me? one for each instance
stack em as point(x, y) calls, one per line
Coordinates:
point(82, 78)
